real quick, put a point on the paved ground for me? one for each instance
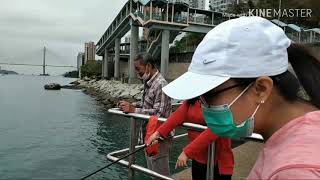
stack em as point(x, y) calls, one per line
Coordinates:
point(245, 156)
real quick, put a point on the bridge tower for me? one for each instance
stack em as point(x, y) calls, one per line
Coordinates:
point(44, 62)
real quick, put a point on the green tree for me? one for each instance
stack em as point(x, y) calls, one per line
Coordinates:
point(241, 8)
point(187, 42)
point(71, 74)
point(251, 4)
point(92, 68)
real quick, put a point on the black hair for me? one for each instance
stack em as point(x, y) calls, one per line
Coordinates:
point(307, 69)
point(193, 100)
point(146, 59)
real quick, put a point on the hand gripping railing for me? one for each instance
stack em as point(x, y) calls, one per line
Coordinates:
point(131, 163)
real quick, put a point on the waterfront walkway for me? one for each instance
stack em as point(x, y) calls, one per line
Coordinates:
point(245, 157)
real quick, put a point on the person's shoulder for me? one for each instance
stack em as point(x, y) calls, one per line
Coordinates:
point(314, 117)
point(298, 171)
point(161, 81)
point(305, 128)
point(297, 143)
point(302, 128)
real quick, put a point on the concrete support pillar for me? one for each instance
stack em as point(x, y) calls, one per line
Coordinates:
point(102, 67)
point(117, 58)
point(151, 10)
point(212, 18)
point(188, 16)
point(133, 49)
point(172, 12)
point(105, 66)
point(299, 35)
point(165, 52)
point(167, 16)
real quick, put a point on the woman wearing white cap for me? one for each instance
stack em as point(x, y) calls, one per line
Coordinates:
point(240, 71)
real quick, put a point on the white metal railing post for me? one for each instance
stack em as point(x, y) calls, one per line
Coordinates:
point(132, 158)
point(211, 160)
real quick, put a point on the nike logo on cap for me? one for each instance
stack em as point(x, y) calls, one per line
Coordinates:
point(206, 61)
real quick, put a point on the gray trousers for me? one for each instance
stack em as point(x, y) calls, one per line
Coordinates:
point(160, 162)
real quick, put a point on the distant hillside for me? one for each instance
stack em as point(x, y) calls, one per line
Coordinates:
point(7, 72)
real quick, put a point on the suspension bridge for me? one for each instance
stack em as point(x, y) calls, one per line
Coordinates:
point(48, 65)
point(43, 55)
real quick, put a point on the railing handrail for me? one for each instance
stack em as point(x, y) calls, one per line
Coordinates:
point(117, 111)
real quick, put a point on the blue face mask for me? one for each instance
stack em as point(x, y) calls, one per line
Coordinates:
point(220, 120)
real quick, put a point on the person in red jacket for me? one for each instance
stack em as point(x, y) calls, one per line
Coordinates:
point(190, 111)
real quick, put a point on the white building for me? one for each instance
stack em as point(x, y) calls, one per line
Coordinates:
point(80, 62)
point(199, 4)
point(220, 5)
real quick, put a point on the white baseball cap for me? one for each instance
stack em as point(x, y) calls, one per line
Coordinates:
point(246, 47)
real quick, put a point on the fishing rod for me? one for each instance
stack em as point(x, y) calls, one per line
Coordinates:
point(125, 156)
point(137, 150)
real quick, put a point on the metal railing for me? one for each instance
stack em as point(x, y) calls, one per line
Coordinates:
point(130, 164)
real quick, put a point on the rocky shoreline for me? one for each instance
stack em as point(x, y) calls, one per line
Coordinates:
point(108, 92)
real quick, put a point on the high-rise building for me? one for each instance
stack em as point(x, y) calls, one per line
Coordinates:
point(89, 52)
point(199, 4)
point(222, 5)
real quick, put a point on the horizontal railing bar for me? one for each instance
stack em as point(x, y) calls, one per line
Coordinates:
point(120, 152)
point(111, 157)
point(139, 168)
point(117, 111)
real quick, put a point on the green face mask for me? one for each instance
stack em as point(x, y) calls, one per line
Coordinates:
point(220, 120)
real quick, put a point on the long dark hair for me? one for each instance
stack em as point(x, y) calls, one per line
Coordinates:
point(307, 69)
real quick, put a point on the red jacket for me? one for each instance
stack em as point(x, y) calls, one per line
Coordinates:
point(198, 148)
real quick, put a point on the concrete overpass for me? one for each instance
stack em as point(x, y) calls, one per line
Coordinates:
point(168, 18)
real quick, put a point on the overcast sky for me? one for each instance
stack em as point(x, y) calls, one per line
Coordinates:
point(61, 25)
